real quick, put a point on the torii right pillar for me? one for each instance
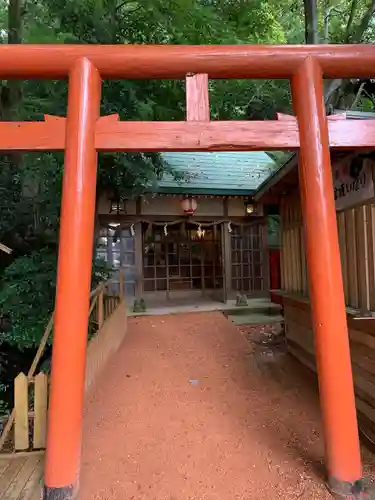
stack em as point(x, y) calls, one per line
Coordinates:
point(327, 300)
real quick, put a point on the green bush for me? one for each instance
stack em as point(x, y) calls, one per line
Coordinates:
point(27, 296)
point(3, 404)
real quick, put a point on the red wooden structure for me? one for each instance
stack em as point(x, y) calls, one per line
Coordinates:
point(84, 133)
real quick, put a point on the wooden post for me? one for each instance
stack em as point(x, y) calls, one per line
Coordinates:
point(362, 259)
point(197, 98)
point(21, 405)
point(266, 278)
point(100, 308)
point(138, 254)
point(371, 251)
point(227, 261)
point(73, 285)
point(326, 286)
point(121, 278)
point(197, 109)
point(351, 250)
point(40, 410)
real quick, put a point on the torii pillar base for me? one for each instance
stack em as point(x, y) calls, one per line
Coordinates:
point(357, 490)
point(66, 493)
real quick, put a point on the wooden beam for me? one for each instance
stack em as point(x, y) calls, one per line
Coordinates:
point(291, 118)
point(351, 134)
point(5, 249)
point(225, 135)
point(115, 135)
point(48, 135)
point(196, 136)
point(197, 98)
point(175, 61)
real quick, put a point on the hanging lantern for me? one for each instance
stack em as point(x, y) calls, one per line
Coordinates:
point(189, 205)
point(117, 205)
point(250, 209)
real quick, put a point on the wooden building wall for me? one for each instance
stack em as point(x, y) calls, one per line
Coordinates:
point(356, 228)
point(239, 241)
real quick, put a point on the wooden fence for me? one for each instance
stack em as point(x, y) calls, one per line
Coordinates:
point(30, 427)
point(28, 418)
point(356, 228)
point(300, 338)
point(110, 317)
point(293, 257)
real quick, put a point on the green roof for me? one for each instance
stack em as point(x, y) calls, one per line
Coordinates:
point(217, 173)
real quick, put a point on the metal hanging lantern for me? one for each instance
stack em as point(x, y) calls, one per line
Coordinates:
point(117, 206)
point(189, 205)
point(250, 208)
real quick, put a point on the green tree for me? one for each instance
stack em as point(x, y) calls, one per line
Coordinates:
point(342, 21)
point(31, 215)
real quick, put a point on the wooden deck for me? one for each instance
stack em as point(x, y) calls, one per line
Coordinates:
point(20, 477)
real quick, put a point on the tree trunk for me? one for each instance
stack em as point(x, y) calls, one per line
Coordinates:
point(11, 90)
point(326, 15)
point(311, 22)
point(11, 96)
point(349, 25)
point(337, 88)
point(363, 25)
point(358, 96)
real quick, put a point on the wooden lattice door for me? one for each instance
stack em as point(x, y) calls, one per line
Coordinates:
point(247, 259)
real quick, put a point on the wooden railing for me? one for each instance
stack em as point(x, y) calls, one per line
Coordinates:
point(28, 418)
point(108, 315)
point(30, 426)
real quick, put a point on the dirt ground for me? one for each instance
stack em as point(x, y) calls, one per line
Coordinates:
point(187, 410)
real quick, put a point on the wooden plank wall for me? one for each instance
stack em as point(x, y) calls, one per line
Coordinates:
point(356, 228)
point(293, 258)
point(300, 337)
point(106, 341)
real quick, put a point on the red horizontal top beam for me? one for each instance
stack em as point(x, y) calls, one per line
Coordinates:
point(224, 135)
point(115, 135)
point(175, 61)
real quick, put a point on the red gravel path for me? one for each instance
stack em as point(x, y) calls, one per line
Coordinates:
point(184, 413)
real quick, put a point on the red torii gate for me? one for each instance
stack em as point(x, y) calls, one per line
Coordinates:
point(84, 133)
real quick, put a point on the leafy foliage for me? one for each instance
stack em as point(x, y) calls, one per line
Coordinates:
point(28, 293)
point(28, 289)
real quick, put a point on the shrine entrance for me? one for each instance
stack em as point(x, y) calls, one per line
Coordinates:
point(184, 263)
point(84, 133)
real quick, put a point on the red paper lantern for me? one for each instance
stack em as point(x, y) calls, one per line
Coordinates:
point(189, 205)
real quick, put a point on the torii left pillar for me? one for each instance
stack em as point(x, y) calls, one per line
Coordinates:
point(63, 452)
